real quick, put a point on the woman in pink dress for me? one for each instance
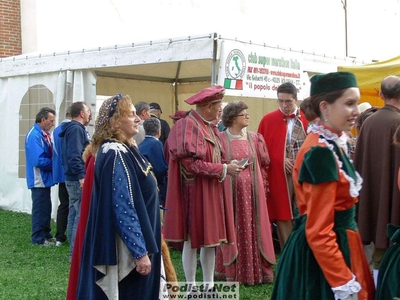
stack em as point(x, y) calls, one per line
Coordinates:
point(250, 259)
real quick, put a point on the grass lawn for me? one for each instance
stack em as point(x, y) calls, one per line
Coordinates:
point(35, 272)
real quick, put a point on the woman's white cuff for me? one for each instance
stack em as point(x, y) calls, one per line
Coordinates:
point(344, 291)
point(224, 172)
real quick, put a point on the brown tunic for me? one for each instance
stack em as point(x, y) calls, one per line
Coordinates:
point(377, 160)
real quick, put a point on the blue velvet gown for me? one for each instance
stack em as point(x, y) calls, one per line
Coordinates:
point(124, 203)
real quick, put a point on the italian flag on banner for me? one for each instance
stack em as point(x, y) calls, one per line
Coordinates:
point(236, 84)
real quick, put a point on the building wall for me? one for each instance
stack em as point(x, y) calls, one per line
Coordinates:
point(10, 28)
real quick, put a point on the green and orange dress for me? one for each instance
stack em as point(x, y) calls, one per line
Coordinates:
point(324, 257)
point(389, 270)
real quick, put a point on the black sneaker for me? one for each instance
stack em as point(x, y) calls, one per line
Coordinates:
point(46, 243)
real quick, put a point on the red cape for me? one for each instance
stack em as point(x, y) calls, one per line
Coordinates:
point(273, 128)
point(80, 231)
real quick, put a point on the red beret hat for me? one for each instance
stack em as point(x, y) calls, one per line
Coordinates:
point(210, 94)
point(179, 114)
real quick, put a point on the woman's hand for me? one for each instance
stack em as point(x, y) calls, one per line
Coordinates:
point(234, 169)
point(143, 265)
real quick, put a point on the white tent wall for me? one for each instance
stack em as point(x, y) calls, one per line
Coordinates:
point(19, 108)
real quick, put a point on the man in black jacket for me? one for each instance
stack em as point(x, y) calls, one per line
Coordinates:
point(74, 139)
point(155, 110)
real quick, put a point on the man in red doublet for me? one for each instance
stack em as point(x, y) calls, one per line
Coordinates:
point(198, 213)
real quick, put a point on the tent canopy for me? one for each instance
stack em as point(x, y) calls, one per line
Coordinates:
point(187, 59)
point(370, 76)
point(165, 71)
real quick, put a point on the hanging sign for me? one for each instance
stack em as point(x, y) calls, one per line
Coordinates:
point(256, 71)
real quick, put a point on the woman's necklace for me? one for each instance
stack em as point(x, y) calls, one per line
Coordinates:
point(146, 168)
point(234, 136)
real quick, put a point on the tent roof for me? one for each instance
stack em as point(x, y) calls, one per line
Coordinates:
point(182, 59)
point(173, 60)
point(369, 78)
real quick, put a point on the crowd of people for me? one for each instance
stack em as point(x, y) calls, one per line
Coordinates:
point(215, 189)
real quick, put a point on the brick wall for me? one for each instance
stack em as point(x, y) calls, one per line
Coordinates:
point(10, 28)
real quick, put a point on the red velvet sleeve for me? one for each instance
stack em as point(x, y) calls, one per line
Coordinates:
point(262, 150)
point(198, 154)
point(263, 159)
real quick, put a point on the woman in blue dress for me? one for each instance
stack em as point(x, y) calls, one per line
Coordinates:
point(121, 257)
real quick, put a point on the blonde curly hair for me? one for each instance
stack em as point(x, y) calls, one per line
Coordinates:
point(111, 112)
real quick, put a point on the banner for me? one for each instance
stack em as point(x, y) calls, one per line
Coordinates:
point(256, 71)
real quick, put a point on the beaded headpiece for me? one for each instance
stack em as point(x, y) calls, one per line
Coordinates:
point(107, 110)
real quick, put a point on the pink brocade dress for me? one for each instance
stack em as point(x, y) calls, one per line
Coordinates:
point(250, 260)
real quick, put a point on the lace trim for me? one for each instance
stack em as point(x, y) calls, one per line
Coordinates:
point(235, 136)
point(346, 290)
point(341, 140)
point(113, 146)
point(355, 186)
point(317, 128)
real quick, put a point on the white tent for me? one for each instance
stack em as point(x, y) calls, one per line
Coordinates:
point(164, 71)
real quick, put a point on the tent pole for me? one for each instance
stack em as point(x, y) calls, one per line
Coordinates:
point(178, 70)
point(214, 60)
point(344, 2)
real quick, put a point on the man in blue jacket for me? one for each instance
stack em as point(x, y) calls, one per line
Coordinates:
point(59, 178)
point(153, 150)
point(74, 139)
point(39, 178)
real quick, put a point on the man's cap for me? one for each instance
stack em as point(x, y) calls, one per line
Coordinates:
point(154, 105)
point(323, 83)
point(179, 114)
point(364, 106)
point(207, 95)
